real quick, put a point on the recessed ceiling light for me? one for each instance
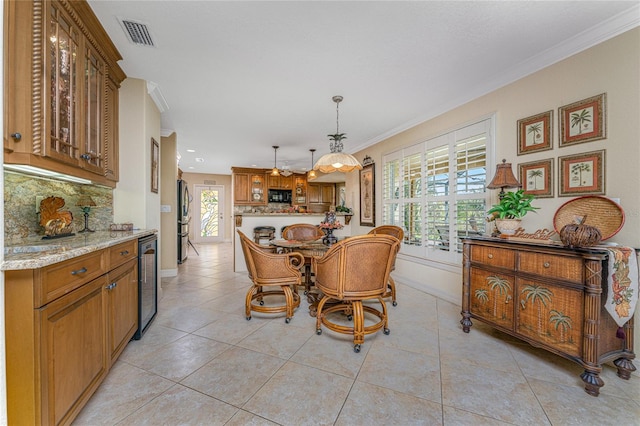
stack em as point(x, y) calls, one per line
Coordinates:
point(191, 150)
point(199, 160)
point(191, 167)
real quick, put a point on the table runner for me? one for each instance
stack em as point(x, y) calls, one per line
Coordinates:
point(623, 286)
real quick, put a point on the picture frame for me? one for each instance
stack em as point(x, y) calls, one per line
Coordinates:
point(536, 178)
point(583, 121)
point(582, 174)
point(367, 196)
point(155, 165)
point(534, 133)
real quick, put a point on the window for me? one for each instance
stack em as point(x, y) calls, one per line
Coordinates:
point(435, 191)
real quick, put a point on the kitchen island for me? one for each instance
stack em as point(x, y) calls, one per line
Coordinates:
point(245, 223)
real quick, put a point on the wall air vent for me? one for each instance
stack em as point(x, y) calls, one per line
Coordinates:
point(137, 32)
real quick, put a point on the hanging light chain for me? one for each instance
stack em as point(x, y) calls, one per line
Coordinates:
point(336, 139)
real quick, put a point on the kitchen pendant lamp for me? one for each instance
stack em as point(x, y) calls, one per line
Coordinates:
point(336, 160)
point(311, 174)
point(275, 171)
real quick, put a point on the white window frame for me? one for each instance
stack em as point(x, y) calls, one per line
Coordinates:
point(394, 200)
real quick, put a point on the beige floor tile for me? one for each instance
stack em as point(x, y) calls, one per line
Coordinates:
point(277, 339)
point(490, 393)
point(571, 405)
point(182, 406)
point(125, 389)
point(155, 337)
point(615, 386)
point(407, 372)
point(244, 418)
point(456, 417)
point(235, 375)
point(187, 318)
point(298, 395)
point(373, 405)
point(178, 359)
point(231, 328)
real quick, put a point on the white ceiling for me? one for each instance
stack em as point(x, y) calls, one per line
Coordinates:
point(241, 76)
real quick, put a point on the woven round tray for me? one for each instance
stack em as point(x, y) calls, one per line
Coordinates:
point(600, 212)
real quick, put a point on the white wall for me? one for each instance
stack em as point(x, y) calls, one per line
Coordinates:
point(612, 67)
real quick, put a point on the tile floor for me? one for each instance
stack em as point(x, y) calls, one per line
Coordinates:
point(202, 363)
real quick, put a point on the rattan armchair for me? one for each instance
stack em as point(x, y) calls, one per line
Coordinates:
point(304, 232)
point(268, 269)
point(397, 232)
point(354, 270)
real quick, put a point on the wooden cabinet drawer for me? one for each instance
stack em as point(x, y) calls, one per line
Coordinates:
point(122, 253)
point(61, 278)
point(549, 265)
point(493, 256)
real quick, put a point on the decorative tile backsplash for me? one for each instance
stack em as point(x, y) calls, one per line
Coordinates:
point(21, 219)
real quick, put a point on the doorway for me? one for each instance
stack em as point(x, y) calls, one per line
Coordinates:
point(209, 205)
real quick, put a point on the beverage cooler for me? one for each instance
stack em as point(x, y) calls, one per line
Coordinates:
point(147, 282)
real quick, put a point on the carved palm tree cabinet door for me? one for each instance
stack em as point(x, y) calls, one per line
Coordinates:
point(550, 296)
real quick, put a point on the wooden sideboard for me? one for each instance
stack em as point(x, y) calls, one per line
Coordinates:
point(549, 296)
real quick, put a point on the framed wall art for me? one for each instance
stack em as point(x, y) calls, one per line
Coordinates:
point(534, 133)
point(367, 196)
point(581, 174)
point(155, 165)
point(537, 177)
point(583, 121)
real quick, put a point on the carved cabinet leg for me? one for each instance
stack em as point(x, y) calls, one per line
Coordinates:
point(466, 321)
point(625, 367)
point(592, 382)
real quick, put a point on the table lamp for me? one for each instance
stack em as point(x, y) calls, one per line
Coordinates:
point(86, 203)
point(503, 178)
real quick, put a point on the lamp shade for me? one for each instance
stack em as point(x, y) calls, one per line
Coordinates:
point(504, 177)
point(337, 162)
point(85, 201)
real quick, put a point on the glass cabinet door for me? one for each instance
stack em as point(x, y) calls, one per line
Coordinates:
point(92, 138)
point(62, 115)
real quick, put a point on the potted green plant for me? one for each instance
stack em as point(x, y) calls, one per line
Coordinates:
point(508, 213)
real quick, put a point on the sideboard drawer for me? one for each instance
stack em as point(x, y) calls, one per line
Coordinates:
point(493, 256)
point(559, 267)
point(122, 253)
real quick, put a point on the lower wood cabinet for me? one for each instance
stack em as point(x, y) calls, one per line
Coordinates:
point(61, 344)
point(552, 297)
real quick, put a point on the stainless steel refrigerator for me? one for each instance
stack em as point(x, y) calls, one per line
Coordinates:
point(184, 217)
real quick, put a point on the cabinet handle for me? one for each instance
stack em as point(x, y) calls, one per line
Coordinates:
point(124, 253)
point(490, 256)
point(111, 286)
point(79, 271)
point(546, 264)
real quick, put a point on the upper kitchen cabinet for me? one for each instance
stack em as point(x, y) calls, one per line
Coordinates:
point(248, 186)
point(280, 182)
point(61, 90)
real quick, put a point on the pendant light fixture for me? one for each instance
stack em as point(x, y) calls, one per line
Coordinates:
point(336, 160)
point(311, 174)
point(275, 171)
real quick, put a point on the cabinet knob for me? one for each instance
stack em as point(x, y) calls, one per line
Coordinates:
point(490, 255)
point(546, 264)
point(85, 156)
point(16, 136)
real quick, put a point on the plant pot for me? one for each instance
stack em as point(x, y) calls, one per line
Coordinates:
point(508, 226)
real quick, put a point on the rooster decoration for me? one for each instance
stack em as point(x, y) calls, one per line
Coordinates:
point(54, 221)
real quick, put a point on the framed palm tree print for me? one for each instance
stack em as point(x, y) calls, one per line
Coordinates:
point(537, 177)
point(581, 174)
point(583, 121)
point(534, 133)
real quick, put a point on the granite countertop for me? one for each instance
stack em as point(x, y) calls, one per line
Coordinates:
point(36, 253)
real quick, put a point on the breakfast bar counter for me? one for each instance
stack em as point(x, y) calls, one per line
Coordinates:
point(278, 220)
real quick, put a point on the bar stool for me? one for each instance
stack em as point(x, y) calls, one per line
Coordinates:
point(260, 232)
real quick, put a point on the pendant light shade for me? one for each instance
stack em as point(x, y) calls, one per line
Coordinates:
point(275, 171)
point(311, 174)
point(336, 160)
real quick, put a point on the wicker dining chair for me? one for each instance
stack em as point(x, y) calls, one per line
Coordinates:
point(269, 269)
point(354, 270)
point(397, 232)
point(304, 232)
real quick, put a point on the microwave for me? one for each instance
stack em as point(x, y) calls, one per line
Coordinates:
point(280, 196)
